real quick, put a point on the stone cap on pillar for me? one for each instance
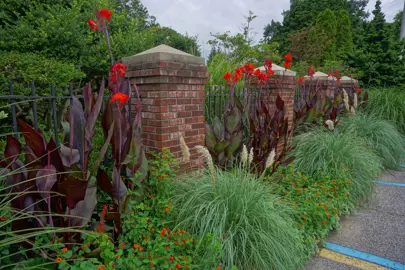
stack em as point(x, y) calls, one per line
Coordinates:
point(320, 76)
point(347, 79)
point(163, 53)
point(278, 70)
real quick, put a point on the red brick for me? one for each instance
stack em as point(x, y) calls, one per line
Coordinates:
point(198, 113)
point(184, 114)
point(183, 101)
point(170, 143)
point(198, 125)
point(178, 121)
point(165, 101)
point(198, 101)
point(185, 127)
point(192, 120)
point(177, 108)
point(191, 133)
point(192, 107)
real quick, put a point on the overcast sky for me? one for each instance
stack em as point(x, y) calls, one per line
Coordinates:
point(200, 17)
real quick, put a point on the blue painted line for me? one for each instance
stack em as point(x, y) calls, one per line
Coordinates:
point(390, 183)
point(365, 256)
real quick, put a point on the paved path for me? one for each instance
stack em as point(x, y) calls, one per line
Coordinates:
point(373, 237)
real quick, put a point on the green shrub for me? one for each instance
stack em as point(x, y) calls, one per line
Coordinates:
point(333, 152)
point(318, 201)
point(380, 135)
point(255, 227)
point(388, 104)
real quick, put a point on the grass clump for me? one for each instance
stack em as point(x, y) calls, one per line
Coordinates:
point(334, 153)
point(256, 228)
point(380, 136)
point(388, 104)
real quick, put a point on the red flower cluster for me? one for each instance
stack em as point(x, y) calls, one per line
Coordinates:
point(117, 70)
point(311, 71)
point(301, 79)
point(288, 60)
point(333, 74)
point(123, 98)
point(358, 91)
point(268, 65)
point(102, 15)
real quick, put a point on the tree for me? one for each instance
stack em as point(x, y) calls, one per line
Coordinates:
point(271, 30)
point(344, 38)
point(326, 25)
point(246, 27)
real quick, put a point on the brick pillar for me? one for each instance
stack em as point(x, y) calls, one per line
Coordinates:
point(171, 85)
point(282, 83)
point(321, 82)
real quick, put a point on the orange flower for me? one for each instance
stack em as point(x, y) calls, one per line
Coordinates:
point(170, 203)
point(167, 209)
point(152, 264)
point(105, 14)
point(123, 98)
point(305, 220)
point(3, 218)
point(140, 248)
point(136, 246)
point(101, 267)
point(178, 266)
point(58, 260)
point(64, 250)
point(288, 57)
point(171, 258)
point(287, 64)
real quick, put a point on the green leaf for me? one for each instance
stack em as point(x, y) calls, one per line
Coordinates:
point(233, 120)
point(210, 138)
point(236, 143)
point(218, 128)
point(219, 147)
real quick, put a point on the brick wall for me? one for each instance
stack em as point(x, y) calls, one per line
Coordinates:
point(172, 95)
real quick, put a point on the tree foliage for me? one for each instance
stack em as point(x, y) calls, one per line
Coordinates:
point(57, 29)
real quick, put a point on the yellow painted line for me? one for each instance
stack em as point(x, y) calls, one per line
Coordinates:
point(337, 257)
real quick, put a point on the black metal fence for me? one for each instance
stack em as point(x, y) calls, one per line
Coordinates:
point(217, 97)
point(52, 99)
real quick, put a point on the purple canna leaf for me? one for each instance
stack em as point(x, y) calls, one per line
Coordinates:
point(35, 139)
point(77, 123)
point(83, 211)
point(103, 181)
point(13, 149)
point(74, 190)
point(69, 156)
point(119, 190)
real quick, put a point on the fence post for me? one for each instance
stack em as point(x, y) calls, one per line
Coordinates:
point(13, 114)
point(34, 105)
point(55, 122)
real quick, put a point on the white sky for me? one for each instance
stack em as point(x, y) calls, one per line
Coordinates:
point(200, 17)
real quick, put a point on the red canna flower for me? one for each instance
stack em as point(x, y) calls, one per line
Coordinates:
point(287, 64)
point(270, 71)
point(123, 98)
point(288, 57)
point(105, 14)
point(358, 91)
point(311, 71)
point(257, 72)
point(268, 63)
point(227, 76)
point(329, 74)
point(93, 25)
point(301, 79)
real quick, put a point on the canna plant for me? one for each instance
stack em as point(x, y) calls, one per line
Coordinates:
point(312, 105)
point(264, 130)
point(55, 186)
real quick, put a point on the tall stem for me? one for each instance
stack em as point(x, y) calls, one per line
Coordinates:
point(107, 38)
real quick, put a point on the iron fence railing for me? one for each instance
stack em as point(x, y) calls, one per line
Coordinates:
point(14, 100)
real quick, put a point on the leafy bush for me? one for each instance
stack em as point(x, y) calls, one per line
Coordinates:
point(388, 104)
point(318, 201)
point(380, 135)
point(255, 227)
point(333, 152)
